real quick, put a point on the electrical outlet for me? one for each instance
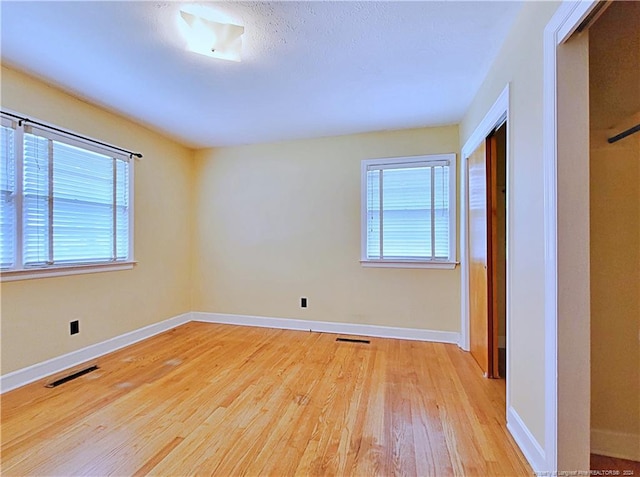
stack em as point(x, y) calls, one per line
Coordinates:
point(303, 302)
point(74, 327)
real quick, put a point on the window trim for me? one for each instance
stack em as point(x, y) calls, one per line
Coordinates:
point(22, 272)
point(64, 270)
point(407, 161)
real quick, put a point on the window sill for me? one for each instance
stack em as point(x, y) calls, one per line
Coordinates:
point(63, 270)
point(408, 264)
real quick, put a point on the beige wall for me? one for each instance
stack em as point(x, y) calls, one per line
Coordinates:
point(276, 222)
point(573, 253)
point(615, 231)
point(520, 63)
point(36, 313)
point(615, 289)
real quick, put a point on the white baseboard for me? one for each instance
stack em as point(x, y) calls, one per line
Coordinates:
point(330, 327)
point(602, 441)
point(52, 366)
point(615, 444)
point(528, 444)
point(38, 371)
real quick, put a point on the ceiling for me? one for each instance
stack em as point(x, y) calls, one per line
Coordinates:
point(309, 69)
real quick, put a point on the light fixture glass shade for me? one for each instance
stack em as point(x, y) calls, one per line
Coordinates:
point(218, 40)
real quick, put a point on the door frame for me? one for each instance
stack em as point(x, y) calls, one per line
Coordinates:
point(563, 24)
point(497, 114)
point(566, 19)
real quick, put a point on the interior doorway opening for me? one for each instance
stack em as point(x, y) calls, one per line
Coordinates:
point(487, 239)
point(614, 214)
point(500, 246)
point(574, 346)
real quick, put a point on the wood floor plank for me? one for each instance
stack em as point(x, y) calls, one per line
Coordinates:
point(158, 457)
point(614, 466)
point(226, 400)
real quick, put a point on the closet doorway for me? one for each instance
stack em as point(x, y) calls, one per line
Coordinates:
point(487, 205)
point(614, 214)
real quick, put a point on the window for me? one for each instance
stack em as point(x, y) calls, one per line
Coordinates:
point(8, 194)
point(66, 204)
point(409, 212)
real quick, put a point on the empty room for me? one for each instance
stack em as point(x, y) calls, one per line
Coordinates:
point(347, 238)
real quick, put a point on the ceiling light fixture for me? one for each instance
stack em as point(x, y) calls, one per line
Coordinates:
point(211, 38)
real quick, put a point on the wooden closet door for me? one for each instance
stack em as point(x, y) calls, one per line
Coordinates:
point(479, 318)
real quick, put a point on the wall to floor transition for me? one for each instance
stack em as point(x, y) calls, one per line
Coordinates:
point(276, 222)
point(272, 223)
point(520, 64)
point(36, 313)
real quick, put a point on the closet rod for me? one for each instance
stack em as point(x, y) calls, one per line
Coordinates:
point(624, 134)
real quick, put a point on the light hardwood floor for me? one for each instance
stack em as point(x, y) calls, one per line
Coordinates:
point(206, 399)
point(614, 466)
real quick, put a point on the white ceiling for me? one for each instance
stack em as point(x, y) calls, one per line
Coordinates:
point(309, 69)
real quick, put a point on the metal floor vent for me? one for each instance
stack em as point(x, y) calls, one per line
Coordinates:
point(353, 340)
point(70, 377)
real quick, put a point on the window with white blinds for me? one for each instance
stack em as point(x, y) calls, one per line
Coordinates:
point(7, 195)
point(65, 202)
point(408, 212)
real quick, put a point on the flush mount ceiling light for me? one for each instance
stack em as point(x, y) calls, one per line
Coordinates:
point(211, 38)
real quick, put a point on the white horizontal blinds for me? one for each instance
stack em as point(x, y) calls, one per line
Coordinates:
point(441, 212)
point(7, 196)
point(122, 209)
point(76, 205)
point(373, 214)
point(83, 219)
point(35, 202)
point(408, 211)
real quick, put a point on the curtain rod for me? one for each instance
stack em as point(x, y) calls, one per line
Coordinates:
point(22, 120)
point(624, 134)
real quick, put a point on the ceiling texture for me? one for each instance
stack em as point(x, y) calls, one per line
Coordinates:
point(308, 69)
